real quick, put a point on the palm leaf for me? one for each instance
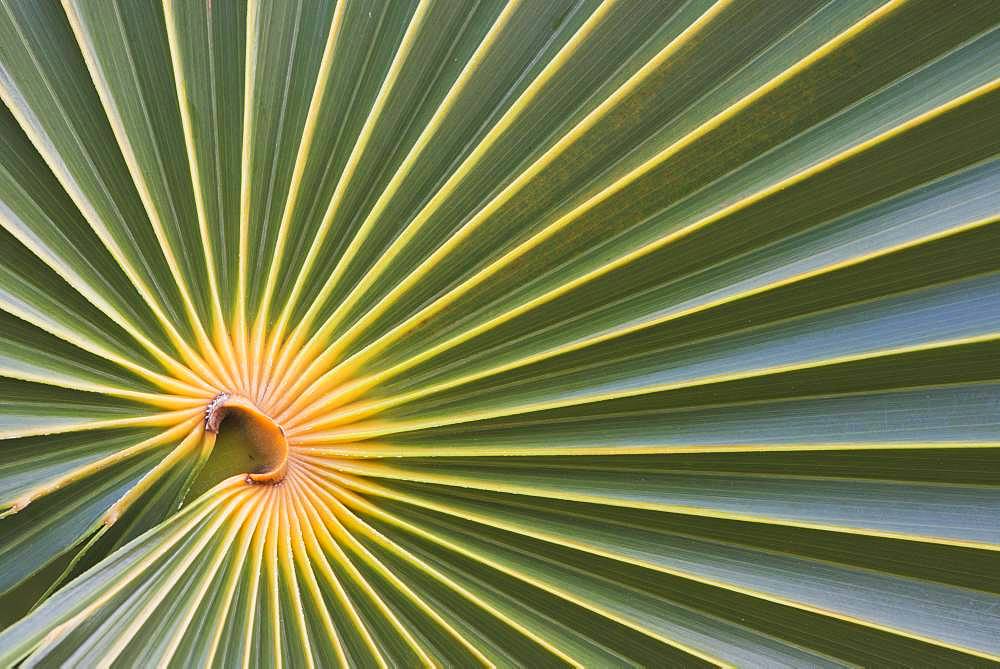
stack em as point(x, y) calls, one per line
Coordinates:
point(624, 333)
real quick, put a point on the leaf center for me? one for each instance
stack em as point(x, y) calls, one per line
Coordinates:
point(248, 440)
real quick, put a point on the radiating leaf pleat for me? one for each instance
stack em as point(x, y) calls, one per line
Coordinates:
point(900, 141)
point(420, 93)
point(207, 52)
point(29, 353)
point(874, 599)
point(45, 86)
point(284, 50)
point(951, 416)
point(710, 638)
point(939, 513)
point(39, 214)
point(125, 46)
point(28, 408)
point(33, 460)
point(854, 247)
point(127, 577)
point(46, 527)
point(668, 174)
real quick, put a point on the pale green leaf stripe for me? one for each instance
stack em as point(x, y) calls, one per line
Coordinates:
point(575, 44)
point(713, 639)
point(504, 44)
point(787, 83)
point(954, 206)
point(30, 354)
point(207, 47)
point(969, 202)
point(44, 529)
point(68, 125)
point(32, 460)
point(186, 531)
point(938, 317)
point(550, 635)
point(125, 47)
point(701, 18)
point(285, 44)
point(38, 213)
point(955, 616)
point(430, 311)
point(32, 408)
point(945, 417)
point(939, 513)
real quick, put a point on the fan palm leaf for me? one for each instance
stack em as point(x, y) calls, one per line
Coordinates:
point(423, 332)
